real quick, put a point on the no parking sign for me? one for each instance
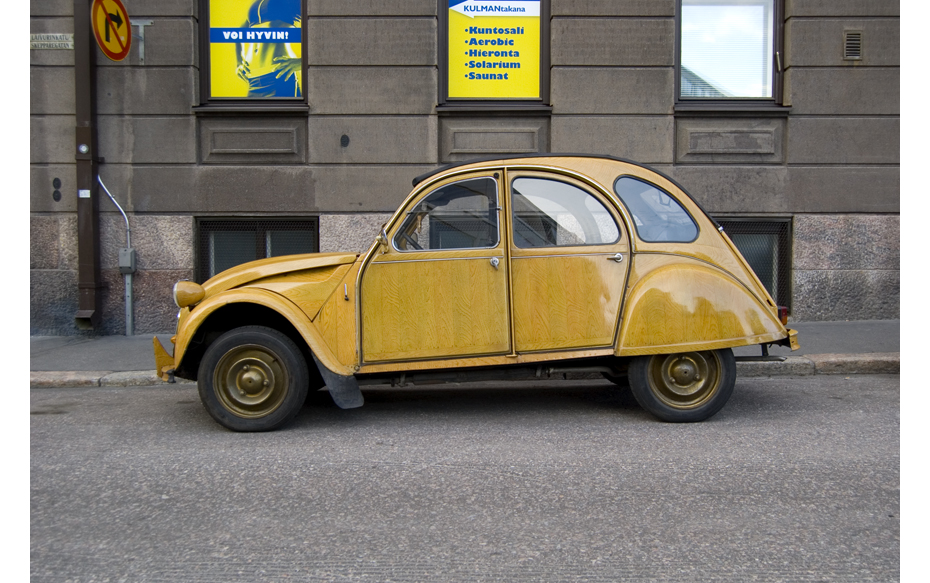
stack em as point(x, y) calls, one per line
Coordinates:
point(110, 21)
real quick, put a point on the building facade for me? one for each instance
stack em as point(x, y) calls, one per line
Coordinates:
point(801, 166)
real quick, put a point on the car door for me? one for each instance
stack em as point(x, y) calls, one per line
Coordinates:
point(569, 262)
point(440, 288)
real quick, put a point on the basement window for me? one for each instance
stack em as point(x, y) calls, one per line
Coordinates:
point(226, 243)
point(766, 246)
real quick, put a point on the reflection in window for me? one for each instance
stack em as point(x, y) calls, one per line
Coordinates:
point(658, 217)
point(549, 213)
point(462, 215)
point(726, 48)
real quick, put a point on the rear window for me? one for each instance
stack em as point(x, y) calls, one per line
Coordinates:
point(657, 216)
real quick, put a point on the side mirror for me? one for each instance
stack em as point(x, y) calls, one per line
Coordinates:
point(383, 238)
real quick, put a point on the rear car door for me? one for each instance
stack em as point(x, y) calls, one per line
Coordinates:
point(569, 262)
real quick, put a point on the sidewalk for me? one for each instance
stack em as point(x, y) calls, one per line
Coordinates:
point(860, 347)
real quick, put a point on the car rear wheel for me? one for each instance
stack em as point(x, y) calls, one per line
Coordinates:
point(684, 387)
point(253, 379)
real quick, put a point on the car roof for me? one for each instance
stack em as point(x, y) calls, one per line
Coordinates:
point(478, 160)
point(417, 180)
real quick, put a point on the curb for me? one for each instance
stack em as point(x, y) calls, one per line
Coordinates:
point(870, 363)
point(77, 379)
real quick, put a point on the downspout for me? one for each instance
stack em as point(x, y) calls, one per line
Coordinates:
point(85, 133)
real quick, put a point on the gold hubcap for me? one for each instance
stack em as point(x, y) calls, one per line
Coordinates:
point(250, 381)
point(685, 381)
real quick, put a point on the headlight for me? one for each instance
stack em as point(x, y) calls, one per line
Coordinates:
point(186, 293)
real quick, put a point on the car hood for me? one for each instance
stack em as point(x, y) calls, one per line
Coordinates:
point(264, 268)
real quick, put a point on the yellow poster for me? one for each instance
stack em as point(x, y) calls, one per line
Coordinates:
point(494, 49)
point(255, 49)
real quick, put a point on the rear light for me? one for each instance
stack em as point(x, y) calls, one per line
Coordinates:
point(783, 315)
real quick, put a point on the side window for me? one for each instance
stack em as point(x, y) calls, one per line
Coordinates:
point(658, 217)
point(461, 215)
point(549, 213)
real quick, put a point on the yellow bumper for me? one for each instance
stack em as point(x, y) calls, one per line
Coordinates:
point(793, 339)
point(164, 362)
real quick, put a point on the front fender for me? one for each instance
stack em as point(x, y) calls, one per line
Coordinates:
point(686, 305)
point(268, 299)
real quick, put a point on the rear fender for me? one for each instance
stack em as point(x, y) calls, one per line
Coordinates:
point(688, 305)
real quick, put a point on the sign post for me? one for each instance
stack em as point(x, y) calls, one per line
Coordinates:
point(85, 157)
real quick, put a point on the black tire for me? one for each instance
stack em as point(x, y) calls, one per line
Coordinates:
point(253, 379)
point(685, 387)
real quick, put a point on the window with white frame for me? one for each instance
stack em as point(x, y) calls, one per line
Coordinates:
point(729, 49)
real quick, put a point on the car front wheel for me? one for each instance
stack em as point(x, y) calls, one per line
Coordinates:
point(253, 379)
point(684, 387)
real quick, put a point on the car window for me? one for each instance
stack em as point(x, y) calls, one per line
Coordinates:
point(549, 213)
point(658, 217)
point(461, 215)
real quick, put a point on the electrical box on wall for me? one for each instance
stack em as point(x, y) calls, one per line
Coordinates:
point(127, 260)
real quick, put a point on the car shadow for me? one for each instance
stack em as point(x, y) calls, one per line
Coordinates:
point(468, 400)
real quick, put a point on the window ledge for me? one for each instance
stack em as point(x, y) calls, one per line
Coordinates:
point(494, 108)
point(251, 108)
point(730, 109)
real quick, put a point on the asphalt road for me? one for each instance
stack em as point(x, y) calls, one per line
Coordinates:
point(797, 479)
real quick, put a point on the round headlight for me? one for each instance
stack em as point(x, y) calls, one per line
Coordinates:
point(187, 293)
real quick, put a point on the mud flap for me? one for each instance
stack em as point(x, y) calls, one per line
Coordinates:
point(344, 390)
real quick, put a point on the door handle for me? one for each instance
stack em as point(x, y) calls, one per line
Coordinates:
point(495, 262)
point(618, 257)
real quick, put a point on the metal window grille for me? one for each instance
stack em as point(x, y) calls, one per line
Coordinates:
point(766, 246)
point(225, 243)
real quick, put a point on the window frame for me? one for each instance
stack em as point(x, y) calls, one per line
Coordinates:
point(683, 207)
point(774, 103)
point(282, 104)
point(541, 103)
point(606, 205)
point(410, 209)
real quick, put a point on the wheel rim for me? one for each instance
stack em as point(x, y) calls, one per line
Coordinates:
point(250, 381)
point(685, 381)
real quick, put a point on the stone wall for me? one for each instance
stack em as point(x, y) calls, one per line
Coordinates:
point(846, 267)
point(373, 82)
point(164, 255)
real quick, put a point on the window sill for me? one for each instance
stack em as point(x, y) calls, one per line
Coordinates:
point(251, 109)
point(494, 108)
point(730, 109)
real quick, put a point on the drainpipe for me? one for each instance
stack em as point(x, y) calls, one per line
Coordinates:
point(85, 133)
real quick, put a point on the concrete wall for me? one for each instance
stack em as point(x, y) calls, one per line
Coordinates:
point(373, 77)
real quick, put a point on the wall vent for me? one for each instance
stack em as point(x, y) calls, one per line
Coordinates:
point(852, 45)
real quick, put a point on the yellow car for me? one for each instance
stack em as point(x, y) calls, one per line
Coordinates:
point(491, 269)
